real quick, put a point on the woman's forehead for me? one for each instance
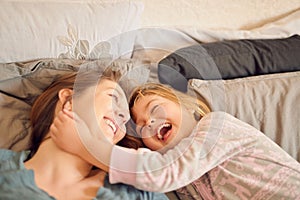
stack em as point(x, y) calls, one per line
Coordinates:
point(107, 84)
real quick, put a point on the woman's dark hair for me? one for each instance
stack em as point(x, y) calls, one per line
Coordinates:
point(43, 109)
point(131, 139)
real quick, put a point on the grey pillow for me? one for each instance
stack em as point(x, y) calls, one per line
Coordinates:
point(268, 102)
point(20, 84)
point(229, 59)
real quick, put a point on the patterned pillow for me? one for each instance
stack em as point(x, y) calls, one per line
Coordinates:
point(69, 29)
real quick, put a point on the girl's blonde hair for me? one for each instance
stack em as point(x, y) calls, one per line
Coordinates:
point(199, 107)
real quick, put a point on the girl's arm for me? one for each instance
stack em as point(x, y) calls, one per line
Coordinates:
point(216, 138)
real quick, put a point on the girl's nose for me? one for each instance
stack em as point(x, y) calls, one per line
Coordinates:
point(150, 122)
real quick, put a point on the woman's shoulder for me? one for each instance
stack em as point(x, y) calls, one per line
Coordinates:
point(14, 175)
point(11, 159)
point(6, 154)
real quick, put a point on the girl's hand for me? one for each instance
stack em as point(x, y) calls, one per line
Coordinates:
point(65, 131)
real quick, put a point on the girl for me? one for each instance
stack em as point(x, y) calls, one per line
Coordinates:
point(47, 171)
point(220, 156)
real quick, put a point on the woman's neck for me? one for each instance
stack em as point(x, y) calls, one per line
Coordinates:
point(55, 169)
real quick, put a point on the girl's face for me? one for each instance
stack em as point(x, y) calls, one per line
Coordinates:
point(160, 122)
point(111, 109)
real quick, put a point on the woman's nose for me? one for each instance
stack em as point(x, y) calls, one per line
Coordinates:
point(123, 115)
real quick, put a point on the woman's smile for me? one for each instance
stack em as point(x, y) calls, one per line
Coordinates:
point(111, 124)
point(112, 110)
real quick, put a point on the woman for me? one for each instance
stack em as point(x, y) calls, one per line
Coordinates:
point(214, 155)
point(47, 171)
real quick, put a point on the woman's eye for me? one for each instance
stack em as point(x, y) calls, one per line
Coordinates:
point(114, 97)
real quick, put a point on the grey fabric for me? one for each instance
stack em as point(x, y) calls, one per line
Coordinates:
point(268, 102)
point(230, 59)
point(16, 182)
point(20, 84)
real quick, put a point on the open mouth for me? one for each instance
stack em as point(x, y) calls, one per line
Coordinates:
point(164, 131)
point(111, 124)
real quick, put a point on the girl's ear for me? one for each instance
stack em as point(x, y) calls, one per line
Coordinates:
point(65, 98)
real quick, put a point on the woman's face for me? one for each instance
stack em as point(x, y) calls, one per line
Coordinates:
point(111, 109)
point(161, 122)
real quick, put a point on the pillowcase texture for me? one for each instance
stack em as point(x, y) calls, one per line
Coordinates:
point(69, 29)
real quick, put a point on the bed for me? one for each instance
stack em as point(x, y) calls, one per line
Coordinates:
point(242, 57)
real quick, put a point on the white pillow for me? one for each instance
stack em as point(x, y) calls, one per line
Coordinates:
point(50, 29)
point(268, 102)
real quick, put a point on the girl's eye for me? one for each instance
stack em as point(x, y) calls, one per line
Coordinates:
point(157, 111)
point(154, 110)
point(141, 131)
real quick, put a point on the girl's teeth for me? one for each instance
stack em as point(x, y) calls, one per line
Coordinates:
point(159, 130)
point(159, 136)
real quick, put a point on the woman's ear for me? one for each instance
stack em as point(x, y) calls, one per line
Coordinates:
point(65, 98)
